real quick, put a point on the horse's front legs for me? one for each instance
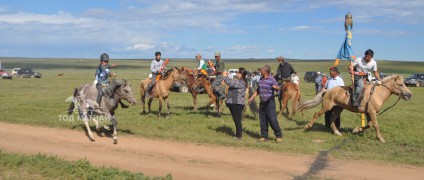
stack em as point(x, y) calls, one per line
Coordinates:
point(168, 107)
point(115, 134)
point(160, 107)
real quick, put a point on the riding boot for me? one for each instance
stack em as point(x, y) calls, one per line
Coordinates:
point(356, 100)
point(111, 89)
point(149, 88)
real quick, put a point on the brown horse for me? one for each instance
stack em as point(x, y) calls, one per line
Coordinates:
point(338, 98)
point(193, 83)
point(289, 90)
point(161, 90)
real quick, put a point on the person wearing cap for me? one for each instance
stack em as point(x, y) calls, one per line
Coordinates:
point(220, 68)
point(102, 77)
point(155, 68)
point(201, 68)
point(365, 65)
point(267, 114)
point(318, 83)
point(284, 70)
point(333, 81)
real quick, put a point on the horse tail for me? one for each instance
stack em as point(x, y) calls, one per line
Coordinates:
point(296, 99)
point(309, 104)
point(72, 105)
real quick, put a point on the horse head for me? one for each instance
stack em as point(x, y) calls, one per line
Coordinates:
point(123, 88)
point(396, 85)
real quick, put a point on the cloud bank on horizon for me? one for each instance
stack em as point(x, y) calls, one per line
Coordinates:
point(238, 28)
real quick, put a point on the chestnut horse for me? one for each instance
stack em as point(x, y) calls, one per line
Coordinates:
point(338, 98)
point(289, 90)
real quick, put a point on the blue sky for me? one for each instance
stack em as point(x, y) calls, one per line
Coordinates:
point(237, 28)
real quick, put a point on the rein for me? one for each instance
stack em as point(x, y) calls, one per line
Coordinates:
point(372, 92)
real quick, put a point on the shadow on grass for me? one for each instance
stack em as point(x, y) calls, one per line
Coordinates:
point(252, 134)
point(224, 129)
point(320, 163)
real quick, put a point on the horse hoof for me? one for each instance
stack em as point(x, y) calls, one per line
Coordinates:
point(356, 130)
point(115, 140)
point(307, 126)
point(338, 133)
point(381, 139)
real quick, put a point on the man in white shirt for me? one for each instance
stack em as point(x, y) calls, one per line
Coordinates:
point(333, 81)
point(295, 78)
point(362, 67)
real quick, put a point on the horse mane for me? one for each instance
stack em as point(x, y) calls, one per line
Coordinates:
point(388, 78)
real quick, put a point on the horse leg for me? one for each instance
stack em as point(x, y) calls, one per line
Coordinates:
point(90, 134)
point(316, 116)
point(160, 107)
point(168, 106)
point(281, 105)
point(336, 114)
point(143, 102)
point(285, 102)
point(97, 123)
point(149, 105)
point(194, 95)
point(373, 116)
point(114, 135)
point(361, 129)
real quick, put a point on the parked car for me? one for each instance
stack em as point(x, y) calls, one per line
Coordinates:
point(28, 73)
point(415, 80)
point(180, 87)
point(15, 71)
point(310, 76)
point(232, 73)
point(4, 74)
point(421, 83)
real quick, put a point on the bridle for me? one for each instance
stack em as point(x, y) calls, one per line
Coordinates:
point(383, 84)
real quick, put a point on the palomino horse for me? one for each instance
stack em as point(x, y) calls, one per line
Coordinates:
point(161, 90)
point(338, 98)
point(85, 99)
point(289, 90)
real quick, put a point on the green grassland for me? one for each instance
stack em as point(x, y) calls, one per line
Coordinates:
point(41, 101)
point(16, 166)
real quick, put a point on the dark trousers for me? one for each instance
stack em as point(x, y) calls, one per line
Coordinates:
point(99, 87)
point(237, 112)
point(328, 115)
point(267, 115)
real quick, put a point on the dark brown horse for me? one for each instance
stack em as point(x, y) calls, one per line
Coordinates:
point(338, 98)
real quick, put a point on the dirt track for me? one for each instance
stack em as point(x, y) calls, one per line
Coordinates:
point(192, 161)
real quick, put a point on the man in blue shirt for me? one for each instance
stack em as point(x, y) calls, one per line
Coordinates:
point(334, 81)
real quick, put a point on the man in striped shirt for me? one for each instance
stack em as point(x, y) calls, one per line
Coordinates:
point(267, 113)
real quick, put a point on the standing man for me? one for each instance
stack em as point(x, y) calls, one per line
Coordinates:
point(267, 114)
point(334, 81)
point(220, 68)
point(284, 70)
point(201, 67)
point(360, 68)
point(155, 67)
point(318, 83)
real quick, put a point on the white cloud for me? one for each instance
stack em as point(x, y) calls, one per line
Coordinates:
point(140, 47)
point(302, 28)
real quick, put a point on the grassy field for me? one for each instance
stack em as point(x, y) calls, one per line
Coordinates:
point(16, 166)
point(41, 102)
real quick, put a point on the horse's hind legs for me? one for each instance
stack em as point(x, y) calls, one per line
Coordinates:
point(336, 113)
point(316, 116)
